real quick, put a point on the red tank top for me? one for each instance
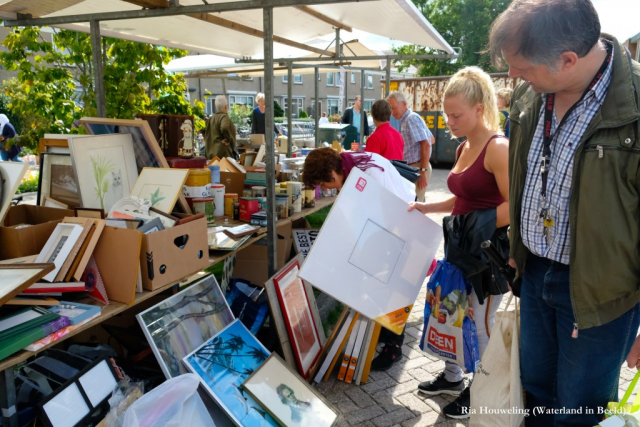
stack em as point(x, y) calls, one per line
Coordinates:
point(475, 188)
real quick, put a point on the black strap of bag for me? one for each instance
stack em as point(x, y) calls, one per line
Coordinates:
point(407, 172)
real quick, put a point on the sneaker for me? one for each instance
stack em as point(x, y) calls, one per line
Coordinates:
point(390, 354)
point(459, 408)
point(441, 386)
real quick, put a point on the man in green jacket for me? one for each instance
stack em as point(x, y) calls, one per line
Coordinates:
point(574, 175)
point(220, 134)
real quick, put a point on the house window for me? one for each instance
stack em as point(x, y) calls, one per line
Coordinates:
point(241, 100)
point(369, 82)
point(208, 106)
point(298, 104)
point(285, 78)
point(367, 104)
point(330, 79)
point(332, 106)
point(297, 79)
point(353, 77)
point(338, 79)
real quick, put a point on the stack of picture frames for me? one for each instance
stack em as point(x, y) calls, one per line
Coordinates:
point(195, 331)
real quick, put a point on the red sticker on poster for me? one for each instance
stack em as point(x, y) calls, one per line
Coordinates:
point(361, 184)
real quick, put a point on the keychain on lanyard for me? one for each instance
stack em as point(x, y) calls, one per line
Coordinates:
point(545, 210)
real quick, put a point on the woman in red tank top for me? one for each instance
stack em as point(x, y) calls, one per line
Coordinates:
point(479, 180)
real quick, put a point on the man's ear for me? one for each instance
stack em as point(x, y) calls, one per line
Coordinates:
point(568, 61)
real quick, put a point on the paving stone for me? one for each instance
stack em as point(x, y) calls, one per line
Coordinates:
point(399, 373)
point(436, 402)
point(341, 421)
point(386, 401)
point(411, 352)
point(426, 420)
point(379, 385)
point(366, 424)
point(377, 375)
point(404, 388)
point(362, 415)
point(360, 397)
point(418, 362)
point(408, 339)
point(414, 332)
point(346, 406)
point(627, 374)
point(421, 375)
point(434, 367)
point(336, 397)
point(415, 405)
point(394, 417)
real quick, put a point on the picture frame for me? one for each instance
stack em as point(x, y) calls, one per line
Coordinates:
point(294, 316)
point(11, 175)
point(151, 226)
point(167, 220)
point(218, 240)
point(57, 179)
point(23, 320)
point(58, 144)
point(147, 150)
point(14, 278)
point(75, 311)
point(287, 397)
point(181, 323)
point(74, 402)
point(162, 186)
point(105, 169)
point(59, 246)
point(131, 204)
point(89, 213)
point(49, 202)
point(222, 363)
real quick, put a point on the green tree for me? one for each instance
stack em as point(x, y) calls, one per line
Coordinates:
point(462, 23)
point(277, 110)
point(55, 82)
point(303, 115)
point(239, 114)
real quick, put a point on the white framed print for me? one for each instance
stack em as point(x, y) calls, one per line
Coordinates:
point(59, 246)
point(162, 186)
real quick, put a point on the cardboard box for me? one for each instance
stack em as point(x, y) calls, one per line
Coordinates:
point(26, 241)
point(251, 262)
point(171, 254)
point(233, 182)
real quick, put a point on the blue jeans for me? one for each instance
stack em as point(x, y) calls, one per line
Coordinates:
point(561, 372)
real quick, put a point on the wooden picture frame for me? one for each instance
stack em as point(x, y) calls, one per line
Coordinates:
point(14, 278)
point(282, 311)
point(49, 202)
point(287, 397)
point(59, 247)
point(167, 220)
point(57, 179)
point(161, 186)
point(11, 175)
point(49, 141)
point(89, 213)
point(147, 150)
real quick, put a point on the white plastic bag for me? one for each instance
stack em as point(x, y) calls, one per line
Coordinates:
point(173, 403)
point(496, 391)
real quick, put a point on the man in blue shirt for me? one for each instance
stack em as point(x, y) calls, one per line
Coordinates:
point(352, 117)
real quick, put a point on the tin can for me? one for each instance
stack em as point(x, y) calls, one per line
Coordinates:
point(217, 192)
point(282, 206)
point(197, 185)
point(204, 205)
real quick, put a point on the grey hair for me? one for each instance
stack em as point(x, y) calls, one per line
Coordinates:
point(542, 30)
point(398, 96)
point(221, 102)
point(259, 96)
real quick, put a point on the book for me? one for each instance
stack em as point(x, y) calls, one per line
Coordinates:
point(356, 350)
point(46, 288)
point(240, 231)
point(20, 341)
point(334, 347)
point(347, 352)
point(32, 300)
point(93, 281)
point(371, 353)
point(363, 352)
point(75, 311)
point(55, 336)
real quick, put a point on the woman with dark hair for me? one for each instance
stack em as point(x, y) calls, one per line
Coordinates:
point(328, 169)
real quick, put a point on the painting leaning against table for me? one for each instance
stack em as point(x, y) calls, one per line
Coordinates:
point(180, 324)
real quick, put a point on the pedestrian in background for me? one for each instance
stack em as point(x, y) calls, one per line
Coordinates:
point(417, 140)
point(258, 118)
point(220, 135)
point(575, 204)
point(504, 105)
point(352, 117)
point(480, 185)
point(385, 140)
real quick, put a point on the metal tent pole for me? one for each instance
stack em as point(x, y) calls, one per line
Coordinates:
point(362, 78)
point(98, 71)
point(289, 109)
point(316, 75)
point(387, 83)
point(267, 17)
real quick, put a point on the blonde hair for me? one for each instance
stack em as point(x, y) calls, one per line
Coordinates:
point(476, 87)
point(259, 96)
point(505, 95)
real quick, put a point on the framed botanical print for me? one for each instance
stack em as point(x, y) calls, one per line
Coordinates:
point(105, 169)
point(287, 397)
point(160, 186)
point(146, 148)
point(297, 314)
point(57, 179)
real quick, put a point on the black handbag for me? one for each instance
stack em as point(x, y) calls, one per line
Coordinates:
point(407, 172)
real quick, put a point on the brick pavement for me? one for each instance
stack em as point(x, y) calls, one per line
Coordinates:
point(390, 399)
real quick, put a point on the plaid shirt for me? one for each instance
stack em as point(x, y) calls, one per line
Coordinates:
point(413, 130)
point(559, 179)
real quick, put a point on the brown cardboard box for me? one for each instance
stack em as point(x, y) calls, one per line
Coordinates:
point(16, 243)
point(251, 262)
point(233, 182)
point(173, 253)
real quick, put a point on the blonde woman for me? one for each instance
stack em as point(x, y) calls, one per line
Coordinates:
point(479, 207)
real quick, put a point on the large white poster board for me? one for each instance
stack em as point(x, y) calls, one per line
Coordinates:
point(371, 254)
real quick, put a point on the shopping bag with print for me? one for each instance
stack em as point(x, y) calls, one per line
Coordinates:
point(619, 414)
point(449, 333)
point(496, 384)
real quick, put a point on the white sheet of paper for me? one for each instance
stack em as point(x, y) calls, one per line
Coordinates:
point(67, 408)
point(371, 254)
point(98, 383)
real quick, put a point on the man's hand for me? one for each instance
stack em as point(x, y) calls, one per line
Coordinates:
point(633, 359)
point(225, 142)
point(422, 181)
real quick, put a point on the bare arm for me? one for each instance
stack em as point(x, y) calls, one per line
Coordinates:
point(497, 162)
point(445, 206)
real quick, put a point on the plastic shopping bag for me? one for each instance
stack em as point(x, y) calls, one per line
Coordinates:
point(449, 333)
point(619, 414)
point(497, 383)
point(174, 403)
